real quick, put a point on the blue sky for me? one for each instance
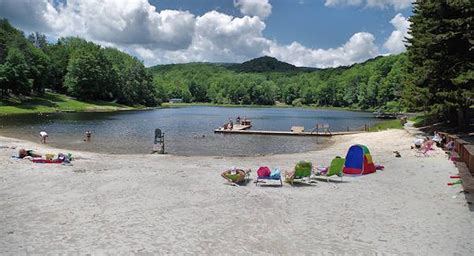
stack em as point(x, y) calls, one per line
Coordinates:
point(309, 22)
point(317, 33)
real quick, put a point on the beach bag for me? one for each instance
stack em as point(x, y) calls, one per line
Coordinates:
point(275, 174)
point(263, 171)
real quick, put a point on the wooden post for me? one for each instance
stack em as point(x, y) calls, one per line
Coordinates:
point(163, 145)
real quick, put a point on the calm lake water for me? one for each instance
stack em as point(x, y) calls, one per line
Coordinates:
point(132, 132)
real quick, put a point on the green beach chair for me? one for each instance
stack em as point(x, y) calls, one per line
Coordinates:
point(302, 171)
point(240, 176)
point(336, 167)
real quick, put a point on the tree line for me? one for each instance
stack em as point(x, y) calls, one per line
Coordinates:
point(73, 66)
point(377, 83)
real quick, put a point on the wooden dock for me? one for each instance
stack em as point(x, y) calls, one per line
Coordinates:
point(284, 133)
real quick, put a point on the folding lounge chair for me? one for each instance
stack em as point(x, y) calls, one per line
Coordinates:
point(336, 168)
point(264, 173)
point(234, 177)
point(302, 171)
point(426, 148)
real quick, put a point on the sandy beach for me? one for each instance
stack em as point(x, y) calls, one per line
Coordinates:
point(167, 204)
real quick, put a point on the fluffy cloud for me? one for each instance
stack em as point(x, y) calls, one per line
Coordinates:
point(28, 14)
point(260, 8)
point(394, 43)
point(360, 47)
point(219, 38)
point(396, 4)
point(118, 21)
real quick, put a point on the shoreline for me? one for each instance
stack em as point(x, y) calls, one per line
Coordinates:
point(167, 204)
point(12, 140)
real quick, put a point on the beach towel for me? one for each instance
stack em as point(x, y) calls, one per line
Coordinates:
point(46, 161)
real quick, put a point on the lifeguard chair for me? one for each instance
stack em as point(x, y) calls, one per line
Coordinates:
point(322, 128)
point(159, 143)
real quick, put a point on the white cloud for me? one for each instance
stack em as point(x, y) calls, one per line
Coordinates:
point(360, 47)
point(342, 2)
point(260, 8)
point(394, 43)
point(396, 4)
point(30, 15)
point(119, 21)
point(171, 36)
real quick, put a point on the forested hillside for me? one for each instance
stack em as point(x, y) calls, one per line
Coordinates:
point(71, 66)
point(373, 84)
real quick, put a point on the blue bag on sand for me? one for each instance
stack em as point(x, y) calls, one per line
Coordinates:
point(275, 174)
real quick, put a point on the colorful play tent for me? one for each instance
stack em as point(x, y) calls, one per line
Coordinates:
point(358, 160)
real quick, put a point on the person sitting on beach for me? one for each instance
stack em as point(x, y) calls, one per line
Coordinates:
point(226, 125)
point(449, 146)
point(22, 153)
point(43, 136)
point(437, 138)
point(231, 125)
point(418, 142)
point(237, 120)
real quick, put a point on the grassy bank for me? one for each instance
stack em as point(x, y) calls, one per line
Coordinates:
point(53, 102)
point(385, 125)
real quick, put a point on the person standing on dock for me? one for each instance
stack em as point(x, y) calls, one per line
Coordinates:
point(231, 124)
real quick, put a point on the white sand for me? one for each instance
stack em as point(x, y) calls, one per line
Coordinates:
point(170, 204)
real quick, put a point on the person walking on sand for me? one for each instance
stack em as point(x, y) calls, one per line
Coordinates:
point(43, 136)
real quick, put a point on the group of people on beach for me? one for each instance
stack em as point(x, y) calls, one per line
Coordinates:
point(426, 143)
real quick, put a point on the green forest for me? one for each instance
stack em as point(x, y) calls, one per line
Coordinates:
point(72, 66)
point(377, 83)
point(435, 75)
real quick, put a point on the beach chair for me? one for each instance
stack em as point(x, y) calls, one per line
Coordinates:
point(425, 148)
point(336, 168)
point(236, 178)
point(301, 173)
point(264, 173)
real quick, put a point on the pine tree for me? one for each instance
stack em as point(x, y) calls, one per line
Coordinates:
point(441, 52)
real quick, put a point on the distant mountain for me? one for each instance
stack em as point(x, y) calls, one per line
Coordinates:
point(257, 65)
point(266, 64)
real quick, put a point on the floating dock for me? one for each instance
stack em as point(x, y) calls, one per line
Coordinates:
point(284, 133)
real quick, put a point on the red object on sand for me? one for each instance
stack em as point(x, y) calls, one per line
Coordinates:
point(46, 161)
point(455, 177)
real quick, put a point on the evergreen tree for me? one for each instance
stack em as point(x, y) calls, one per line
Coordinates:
point(441, 51)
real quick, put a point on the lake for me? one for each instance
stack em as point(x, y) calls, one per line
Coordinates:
point(188, 130)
